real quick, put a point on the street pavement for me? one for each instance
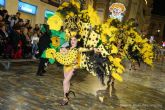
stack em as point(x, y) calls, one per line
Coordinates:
point(21, 89)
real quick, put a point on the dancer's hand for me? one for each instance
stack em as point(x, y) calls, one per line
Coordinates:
point(63, 50)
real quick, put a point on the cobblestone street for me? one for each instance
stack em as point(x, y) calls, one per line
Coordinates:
point(21, 89)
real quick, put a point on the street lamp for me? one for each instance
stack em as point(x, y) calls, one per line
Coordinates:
point(158, 30)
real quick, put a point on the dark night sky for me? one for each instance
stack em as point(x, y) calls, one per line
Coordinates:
point(159, 7)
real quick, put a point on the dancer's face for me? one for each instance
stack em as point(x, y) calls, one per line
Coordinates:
point(73, 42)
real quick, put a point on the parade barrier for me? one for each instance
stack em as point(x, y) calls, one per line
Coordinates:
point(7, 62)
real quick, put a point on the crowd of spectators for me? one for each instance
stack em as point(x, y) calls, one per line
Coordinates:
point(18, 39)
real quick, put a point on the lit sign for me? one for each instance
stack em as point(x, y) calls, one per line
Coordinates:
point(117, 10)
point(28, 8)
point(47, 12)
point(2, 2)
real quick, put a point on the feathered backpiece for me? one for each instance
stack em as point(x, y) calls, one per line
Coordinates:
point(114, 40)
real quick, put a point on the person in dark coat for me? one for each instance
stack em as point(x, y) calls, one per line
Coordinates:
point(16, 41)
point(5, 16)
point(44, 43)
point(3, 40)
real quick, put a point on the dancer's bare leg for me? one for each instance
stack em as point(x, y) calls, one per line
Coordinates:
point(66, 82)
point(66, 86)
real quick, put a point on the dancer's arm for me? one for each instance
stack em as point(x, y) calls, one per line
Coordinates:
point(81, 49)
point(63, 51)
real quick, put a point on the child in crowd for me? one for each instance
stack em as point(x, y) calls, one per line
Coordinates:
point(34, 42)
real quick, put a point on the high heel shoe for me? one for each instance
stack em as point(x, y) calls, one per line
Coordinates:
point(66, 99)
point(64, 102)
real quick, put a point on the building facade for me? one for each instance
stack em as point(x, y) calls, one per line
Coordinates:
point(38, 18)
point(140, 10)
point(157, 28)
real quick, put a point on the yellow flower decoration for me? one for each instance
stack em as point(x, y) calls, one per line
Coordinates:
point(138, 38)
point(119, 70)
point(146, 47)
point(112, 39)
point(60, 8)
point(94, 18)
point(116, 62)
point(103, 38)
point(144, 40)
point(110, 58)
point(114, 49)
point(71, 14)
point(55, 41)
point(55, 22)
point(75, 3)
point(117, 76)
point(65, 4)
point(50, 53)
point(148, 61)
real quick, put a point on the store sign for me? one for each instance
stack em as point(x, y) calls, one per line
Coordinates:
point(2, 2)
point(27, 8)
point(52, 2)
point(48, 12)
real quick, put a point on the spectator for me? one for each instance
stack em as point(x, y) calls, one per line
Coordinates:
point(27, 43)
point(2, 38)
point(21, 22)
point(1, 18)
point(16, 41)
point(36, 28)
point(14, 19)
point(34, 41)
point(5, 16)
point(27, 23)
point(7, 42)
point(1, 13)
point(30, 31)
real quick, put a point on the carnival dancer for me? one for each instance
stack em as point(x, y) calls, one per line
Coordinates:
point(105, 60)
point(69, 69)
